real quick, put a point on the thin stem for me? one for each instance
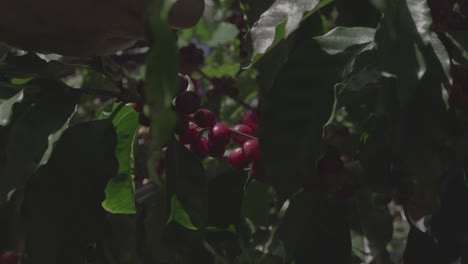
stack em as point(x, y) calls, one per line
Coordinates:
point(243, 134)
point(235, 99)
point(117, 110)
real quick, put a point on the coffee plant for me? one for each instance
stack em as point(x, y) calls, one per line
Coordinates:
point(272, 131)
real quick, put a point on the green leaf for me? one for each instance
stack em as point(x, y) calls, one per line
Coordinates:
point(122, 240)
point(404, 33)
point(225, 191)
point(120, 189)
point(279, 21)
point(257, 203)
point(20, 81)
point(375, 223)
point(6, 108)
point(62, 203)
point(187, 182)
point(316, 229)
point(304, 211)
point(33, 133)
point(301, 102)
point(460, 41)
point(179, 215)
point(31, 65)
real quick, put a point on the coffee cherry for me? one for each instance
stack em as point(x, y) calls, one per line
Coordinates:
point(219, 135)
point(204, 118)
point(187, 103)
point(143, 120)
point(238, 138)
point(190, 136)
point(9, 257)
point(252, 119)
point(251, 150)
point(191, 58)
point(257, 170)
point(216, 150)
point(200, 147)
point(237, 159)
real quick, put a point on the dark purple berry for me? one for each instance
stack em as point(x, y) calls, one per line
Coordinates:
point(237, 159)
point(187, 103)
point(244, 129)
point(219, 134)
point(191, 58)
point(182, 125)
point(204, 118)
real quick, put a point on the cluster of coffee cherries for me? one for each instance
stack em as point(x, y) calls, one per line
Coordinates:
point(193, 123)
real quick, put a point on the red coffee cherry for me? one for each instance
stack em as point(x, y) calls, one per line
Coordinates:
point(237, 159)
point(220, 135)
point(252, 119)
point(251, 150)
point(244, 129)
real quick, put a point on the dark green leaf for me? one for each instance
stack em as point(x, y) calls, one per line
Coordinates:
point(304, 210)
point(225, 195)
point(316, 230)
point(32, 66)
point(187, 180)
point(258, 202)
point(6, 108)
point(304, 89)
point(179, 215)
point(404, 34)
point(420, 248)
point(62, 203)
point(279, 21)
point(121, 239)
point(33, 135)
point(460, 41)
